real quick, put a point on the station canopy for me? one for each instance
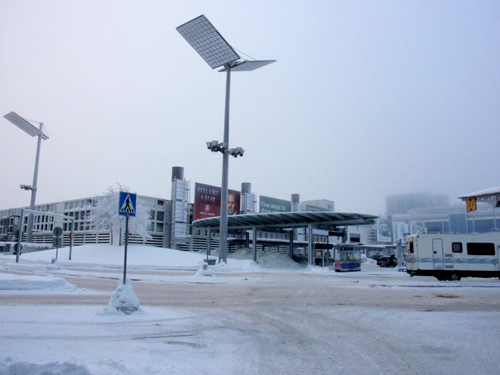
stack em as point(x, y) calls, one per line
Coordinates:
point(280, 221)
point(491, 196)
point(487, 193)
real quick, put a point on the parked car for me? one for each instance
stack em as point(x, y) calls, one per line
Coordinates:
point(387, 261)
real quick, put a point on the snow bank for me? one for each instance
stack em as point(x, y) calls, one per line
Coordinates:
point(369, 261)
point(11, 282)
point(265, 260)
point(8, 367)
point(108, 255)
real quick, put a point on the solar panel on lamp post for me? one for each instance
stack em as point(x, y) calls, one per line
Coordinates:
point(25, 126)
point(213, 48)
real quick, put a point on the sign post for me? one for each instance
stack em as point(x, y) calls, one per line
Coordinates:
point(57, 240)
point(126, 207)
point(71, 238)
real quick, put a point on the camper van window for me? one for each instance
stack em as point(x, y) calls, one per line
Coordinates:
point(456, 247)
point(474, 248)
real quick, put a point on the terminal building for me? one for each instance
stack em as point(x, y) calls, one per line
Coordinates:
point(171, 221)
point(432, 213)
point(181, 224)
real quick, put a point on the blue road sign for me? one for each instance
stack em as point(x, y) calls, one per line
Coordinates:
point(127, 204)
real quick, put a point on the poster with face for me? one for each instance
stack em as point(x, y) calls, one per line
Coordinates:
point(207, 201)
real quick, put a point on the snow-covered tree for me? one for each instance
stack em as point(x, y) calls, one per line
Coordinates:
point(104, 215)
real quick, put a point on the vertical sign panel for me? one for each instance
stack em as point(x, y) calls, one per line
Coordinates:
point(127, 204)
point(471, 204)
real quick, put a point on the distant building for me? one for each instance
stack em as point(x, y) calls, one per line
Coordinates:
point(79, 210)
point(403, 203)
point(319, 205)
point(452, 219)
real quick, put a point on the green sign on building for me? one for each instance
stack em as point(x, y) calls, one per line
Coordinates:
point(269, 205)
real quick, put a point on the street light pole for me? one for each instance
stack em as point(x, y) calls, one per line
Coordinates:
point(225, 174)
point(214, 49)
point(34, 186)
point(28, 128)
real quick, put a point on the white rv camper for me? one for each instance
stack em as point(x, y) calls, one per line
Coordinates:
point(453, 256)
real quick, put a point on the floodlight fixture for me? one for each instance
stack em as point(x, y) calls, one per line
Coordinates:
point(216, 146)
point(216, 51)
point(238, 151)
point(27, 127)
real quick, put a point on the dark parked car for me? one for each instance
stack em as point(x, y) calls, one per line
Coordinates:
point(386, 261)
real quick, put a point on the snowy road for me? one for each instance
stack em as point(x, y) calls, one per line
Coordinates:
point(268, 322)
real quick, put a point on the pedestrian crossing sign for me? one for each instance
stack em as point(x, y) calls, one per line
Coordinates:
point(127, 204)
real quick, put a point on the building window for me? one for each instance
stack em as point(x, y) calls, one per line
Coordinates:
point(482, 226)
point(159, 227)
point(411, 247)
point(475, 248)
point(458, 223)
point(160, 216)
point(456, 247)
point(434, 227)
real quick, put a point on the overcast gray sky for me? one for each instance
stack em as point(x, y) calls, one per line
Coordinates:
point(366, 99)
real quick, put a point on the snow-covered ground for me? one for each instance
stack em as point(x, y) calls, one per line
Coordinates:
point(268, 318)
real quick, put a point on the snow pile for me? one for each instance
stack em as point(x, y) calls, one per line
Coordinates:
point(369, 261)
point(122, 300)
point(10, 282)
point(265, 260)
point(205, 271)
point(27, 245)
point(109, 255)
point(55, 368)
point(142, 256)
point(318, 269)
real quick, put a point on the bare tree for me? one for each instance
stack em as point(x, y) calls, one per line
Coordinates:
point(104, 215)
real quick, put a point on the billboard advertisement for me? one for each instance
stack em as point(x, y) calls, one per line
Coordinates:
point(269, 205)
point(207, 201)
point(383, 230)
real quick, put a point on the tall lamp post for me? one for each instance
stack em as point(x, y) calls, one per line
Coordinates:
point(213, 48)
point(27, 127)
